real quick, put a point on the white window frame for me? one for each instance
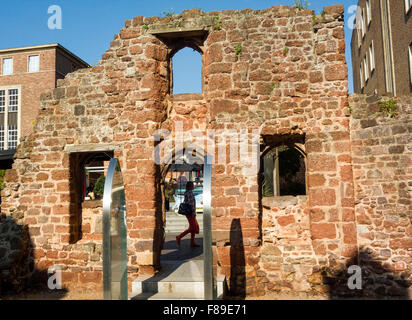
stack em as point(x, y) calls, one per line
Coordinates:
point(358, 25)
point(3, 101)
point(12, 132)
point(366, 67)
point(369, 11)
point(38, 63)
point(362, 82)
point(408, 5)
point(2, 135)
point(410, 61)
point(372, 57)
point(358, 29)
point(6, 114)
point(363, 23)
point(3, 66)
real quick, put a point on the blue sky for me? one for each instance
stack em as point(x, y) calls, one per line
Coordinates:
point(88, 26)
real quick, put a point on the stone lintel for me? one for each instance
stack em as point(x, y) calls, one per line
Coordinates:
point(168, 32)
point(93, 147)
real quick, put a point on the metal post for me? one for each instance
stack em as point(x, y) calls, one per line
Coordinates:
point(210, 291)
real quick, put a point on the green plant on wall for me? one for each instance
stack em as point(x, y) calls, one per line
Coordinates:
point(145, 27)
point(217, 23)
point(2, 174)
point(99, 186)
point(238, 50)
point(169, 13)
point(275, 85)
point(301, 4)
point(388, 107)
point(315, 19)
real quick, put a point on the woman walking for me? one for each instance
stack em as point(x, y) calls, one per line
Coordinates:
point(190, 199)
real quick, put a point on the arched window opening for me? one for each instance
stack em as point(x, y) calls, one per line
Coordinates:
point(187, 71)
point(283, 172)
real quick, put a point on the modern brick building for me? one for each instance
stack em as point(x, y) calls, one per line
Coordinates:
point(382, 47)
point(25, 73)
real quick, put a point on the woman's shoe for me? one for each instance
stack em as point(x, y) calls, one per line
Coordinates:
point(193, 245)
point(178, 241)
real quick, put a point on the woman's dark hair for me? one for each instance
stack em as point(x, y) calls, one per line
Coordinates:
point(189, 185)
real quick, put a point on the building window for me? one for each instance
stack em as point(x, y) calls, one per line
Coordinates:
point(363, 25)
point(283, 167)
point(408, 5)
point(7, 66)
point(361, 76)
point(368, 11)
point(2, 100)
point(13, 100)
point(9, 117)
point(372, 57)
point(366, 68)
point(1, 137)
point(410, 60)
point(33, 63)
point(12, 137)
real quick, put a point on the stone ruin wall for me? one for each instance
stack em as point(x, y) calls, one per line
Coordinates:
point(382, 167)
point(290, 79)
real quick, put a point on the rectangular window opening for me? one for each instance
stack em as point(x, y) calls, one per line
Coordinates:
point(87, 178)
point(372, 57)
point(1, 137)
point(410, 62)
point(7, 66)
point(408, 5)
point(13, 100)
point(2, 100)
point(362, 82)
point(34, 63)
point(366, 68)
point(369, 11)
point(363, 23)
point(12, 137)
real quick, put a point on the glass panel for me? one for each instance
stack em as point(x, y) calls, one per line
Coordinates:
point(33, 63)
point(114, 235)
point(1, 137)
point(7, 66)
point(2, 100)
point(12, 137)
point(210, 268)
point(13, 100)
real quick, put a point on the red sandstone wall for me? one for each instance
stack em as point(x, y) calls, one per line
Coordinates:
point(382, 166)
point(263, 246)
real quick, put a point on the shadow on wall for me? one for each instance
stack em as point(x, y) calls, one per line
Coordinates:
point(18, 277)
point(237, 280)
point(376, 282)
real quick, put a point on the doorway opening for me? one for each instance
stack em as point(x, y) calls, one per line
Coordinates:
point(175, 179)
